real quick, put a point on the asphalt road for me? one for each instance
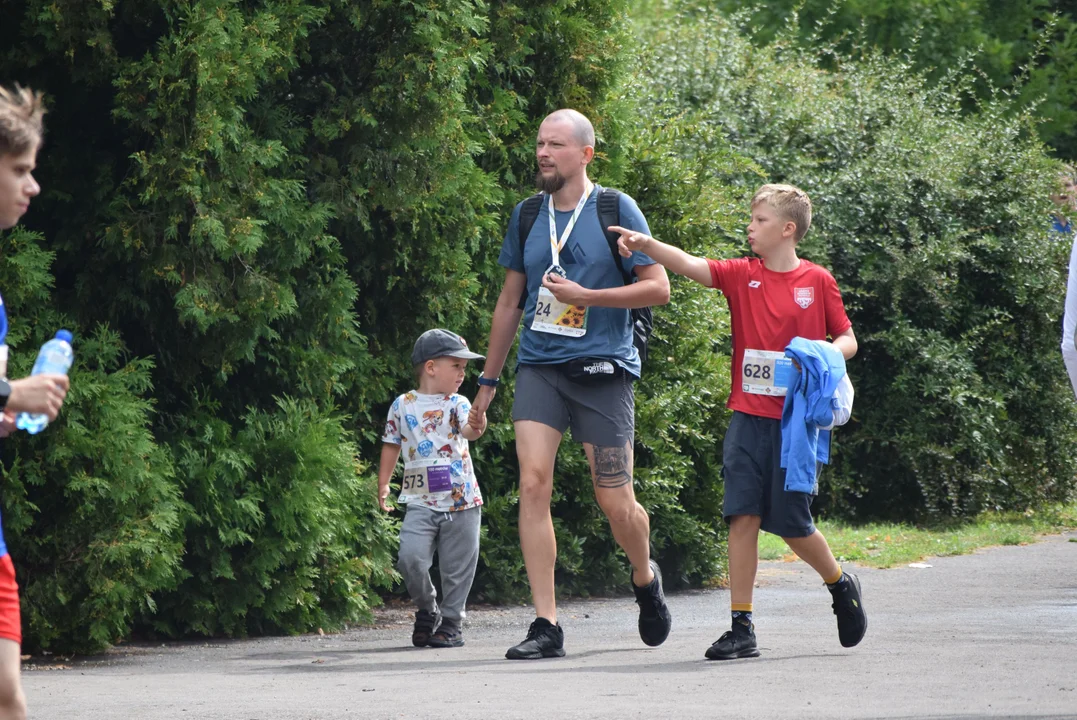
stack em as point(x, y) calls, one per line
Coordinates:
point(988, 635)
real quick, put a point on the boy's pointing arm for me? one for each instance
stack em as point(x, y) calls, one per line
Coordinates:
point(674, 259)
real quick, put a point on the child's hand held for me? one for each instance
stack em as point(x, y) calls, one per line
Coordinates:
point(476, 419)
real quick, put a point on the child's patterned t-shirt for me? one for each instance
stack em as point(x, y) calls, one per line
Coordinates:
point(438, 472)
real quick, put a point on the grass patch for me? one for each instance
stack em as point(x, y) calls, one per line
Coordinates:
point(885, 545)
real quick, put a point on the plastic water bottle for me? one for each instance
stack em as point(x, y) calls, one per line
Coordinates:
point(55, 358)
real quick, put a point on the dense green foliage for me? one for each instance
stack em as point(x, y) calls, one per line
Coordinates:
point(271, 200)
point(934, 223)
point(1027, 48)
point(252, 209)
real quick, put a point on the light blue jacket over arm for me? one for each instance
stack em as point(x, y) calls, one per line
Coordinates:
point(807, 408)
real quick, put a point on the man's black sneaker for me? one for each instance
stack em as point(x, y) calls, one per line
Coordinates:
point(736, 643)
point(654, 618)
point(544, 640)
point(447, 636)
point(424, 625)
point(852, 620)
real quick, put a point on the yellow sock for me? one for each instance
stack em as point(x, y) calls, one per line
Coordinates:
point(741, 607)
point(831, 581)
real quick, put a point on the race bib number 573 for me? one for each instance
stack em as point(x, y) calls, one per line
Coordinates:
point(423, 479)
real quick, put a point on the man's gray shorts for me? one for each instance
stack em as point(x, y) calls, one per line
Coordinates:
point(755, 480)
point(599, 412)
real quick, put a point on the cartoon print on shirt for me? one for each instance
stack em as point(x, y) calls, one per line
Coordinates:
point(432, 427)
point(431, 420)
point(454, 424)
point(459, 500)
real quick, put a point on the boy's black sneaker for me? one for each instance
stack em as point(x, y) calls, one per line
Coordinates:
point(736, 643)
point(544, 640)
point(424, 625)
point(447, 636)
point(848, 606)
point(654, 618)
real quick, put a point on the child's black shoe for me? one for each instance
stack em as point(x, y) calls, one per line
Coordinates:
point(447, 636)
point(424, 625)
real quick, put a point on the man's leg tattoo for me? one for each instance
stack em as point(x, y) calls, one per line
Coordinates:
point(611, 467)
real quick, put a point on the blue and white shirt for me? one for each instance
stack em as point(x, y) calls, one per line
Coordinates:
point(587, 260)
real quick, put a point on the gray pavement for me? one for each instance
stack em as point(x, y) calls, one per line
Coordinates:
point(988, 635)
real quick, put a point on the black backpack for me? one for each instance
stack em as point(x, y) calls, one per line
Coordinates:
point(609, 213)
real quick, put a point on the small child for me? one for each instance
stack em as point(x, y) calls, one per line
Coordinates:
point(432, 427)
point(771, 300)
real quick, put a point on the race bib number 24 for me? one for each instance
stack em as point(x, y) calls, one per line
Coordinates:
point(553, 316)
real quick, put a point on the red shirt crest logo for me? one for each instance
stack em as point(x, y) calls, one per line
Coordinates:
point(804, 296)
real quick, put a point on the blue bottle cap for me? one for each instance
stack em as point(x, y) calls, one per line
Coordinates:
point(64, 335)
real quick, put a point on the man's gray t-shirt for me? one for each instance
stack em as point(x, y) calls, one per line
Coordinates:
point(587, 260)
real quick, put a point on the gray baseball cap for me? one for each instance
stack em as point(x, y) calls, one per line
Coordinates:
point(441, 343)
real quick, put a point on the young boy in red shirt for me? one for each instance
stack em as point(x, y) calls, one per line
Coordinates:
point(772, 299)
point(21, 131)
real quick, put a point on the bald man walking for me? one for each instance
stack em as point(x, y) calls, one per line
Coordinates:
point(577, 365)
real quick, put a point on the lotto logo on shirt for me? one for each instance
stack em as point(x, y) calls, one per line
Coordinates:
point(804, 296)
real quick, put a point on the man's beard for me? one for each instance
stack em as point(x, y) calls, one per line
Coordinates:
point(549, 184)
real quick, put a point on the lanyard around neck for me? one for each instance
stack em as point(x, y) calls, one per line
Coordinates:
point(555, 246)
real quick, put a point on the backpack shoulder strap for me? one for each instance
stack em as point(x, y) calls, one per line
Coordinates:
point(609, 213)
point(529, 212)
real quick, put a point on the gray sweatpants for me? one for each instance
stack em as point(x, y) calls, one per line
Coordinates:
point(455, 536)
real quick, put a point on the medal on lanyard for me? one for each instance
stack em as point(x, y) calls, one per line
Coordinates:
point(552, 315)
point(555, 246)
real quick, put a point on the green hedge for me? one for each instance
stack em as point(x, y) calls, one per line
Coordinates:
point(264, 203)
point(1025, 48)
point(252, 209)
point(92, 515)
point(934, 222)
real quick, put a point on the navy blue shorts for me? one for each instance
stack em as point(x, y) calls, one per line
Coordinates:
point(755, 480)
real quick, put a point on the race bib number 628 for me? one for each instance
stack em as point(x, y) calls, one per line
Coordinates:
point(766, 372)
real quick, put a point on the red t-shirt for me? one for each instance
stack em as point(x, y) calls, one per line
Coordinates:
point(768, 309)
